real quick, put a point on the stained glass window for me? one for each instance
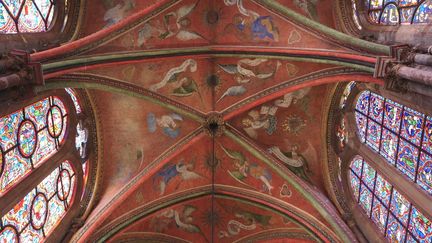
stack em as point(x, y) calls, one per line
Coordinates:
point(346, 93)
point(401, 135)
point(394, 12)
point(41, 210)
point(395, 217)
point(28, 137)
point(24, 16)
point(74, 98)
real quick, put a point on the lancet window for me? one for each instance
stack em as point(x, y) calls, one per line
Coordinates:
point(34, 140)
point(26, 16)
point(394, 12)
point(401, 135)
point(394, 215)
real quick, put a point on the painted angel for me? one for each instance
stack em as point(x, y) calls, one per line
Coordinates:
point(243, 169)
point(265, 119)
point(292, 98)
point(184, 219)
point(294, 161)
point(174, 24)
point(309, 7)
point(118, 12)
point(168, 124)
point(178, 170)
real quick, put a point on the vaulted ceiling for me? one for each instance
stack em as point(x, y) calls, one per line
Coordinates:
point(211, 116)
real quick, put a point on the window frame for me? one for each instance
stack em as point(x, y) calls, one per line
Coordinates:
point(64, 25)
point(385, 5)
point(341, 191)
point(83, 193)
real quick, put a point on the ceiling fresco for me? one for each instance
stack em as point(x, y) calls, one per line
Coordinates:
point(209, 118)
point(192, 23)
point(232, 221)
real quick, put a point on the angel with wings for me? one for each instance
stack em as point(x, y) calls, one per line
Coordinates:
point(183, 220)
point(174, 24)
point(182, 170)
point(118, 12)
point(294, 160)
point(168, 124)
point(244, 169)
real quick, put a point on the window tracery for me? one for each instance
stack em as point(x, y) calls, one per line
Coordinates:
point(395, 217)
point(33, 141)
point(39, 212)
point(26, 16)
point(401, 135)
point(28, 137)
point(394, 12)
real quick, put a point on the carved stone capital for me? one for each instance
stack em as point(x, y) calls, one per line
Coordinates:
point(17, 70)
point(402, 54)
point(393, 82)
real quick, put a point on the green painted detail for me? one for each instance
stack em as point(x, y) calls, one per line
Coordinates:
point(304, 59)
point(191, 196)
point(83, 61)
point(158, 207)
point(269, 209)
point(339, 36)
point(103, 87)
point(340, 232)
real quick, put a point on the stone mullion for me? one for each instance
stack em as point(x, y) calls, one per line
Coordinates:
point(71, 221)
point(19, 191)
point(358, 220)
point(30, 181)
point(407, 188)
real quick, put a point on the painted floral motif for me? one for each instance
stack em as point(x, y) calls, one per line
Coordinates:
point(265, 118)
point(116, 12)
